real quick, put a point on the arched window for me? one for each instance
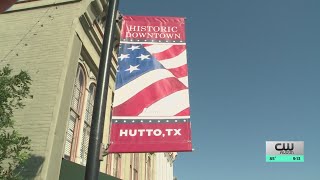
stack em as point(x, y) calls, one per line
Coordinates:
point(117, 165)
point(75, 113)
point(87, 123)
point(136, 159)
point(149, 167)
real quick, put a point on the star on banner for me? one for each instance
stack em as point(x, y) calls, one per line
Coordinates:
point(133, 47)
point(133, 68)
point(143, 57)
point(123, 56)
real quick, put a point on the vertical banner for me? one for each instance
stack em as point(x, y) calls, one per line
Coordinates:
point(151, 110)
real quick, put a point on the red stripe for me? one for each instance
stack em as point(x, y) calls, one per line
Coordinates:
point(179, 72)
point(173, 51)
point(185, 112)
point(146, 45)
point(151, 94)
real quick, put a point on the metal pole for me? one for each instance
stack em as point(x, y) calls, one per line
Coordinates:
point(99, 108)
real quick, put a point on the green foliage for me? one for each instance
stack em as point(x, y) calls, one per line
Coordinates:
point(14, 148)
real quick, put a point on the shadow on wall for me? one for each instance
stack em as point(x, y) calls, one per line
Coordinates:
point(32, 167)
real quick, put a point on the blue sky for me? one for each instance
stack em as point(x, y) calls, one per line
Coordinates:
point(254, 73)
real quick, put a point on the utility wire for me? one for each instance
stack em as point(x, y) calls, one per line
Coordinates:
point(25, 35)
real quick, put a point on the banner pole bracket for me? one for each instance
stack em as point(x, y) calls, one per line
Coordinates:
point(103, 151)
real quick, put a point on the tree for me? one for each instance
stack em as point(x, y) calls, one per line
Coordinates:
point(14, 148)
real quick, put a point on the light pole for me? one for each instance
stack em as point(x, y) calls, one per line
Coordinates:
point(99, 108)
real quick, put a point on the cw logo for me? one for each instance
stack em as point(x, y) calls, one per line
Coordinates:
point(282, 146)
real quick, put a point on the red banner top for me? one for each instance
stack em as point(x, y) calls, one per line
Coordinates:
point(153, 29)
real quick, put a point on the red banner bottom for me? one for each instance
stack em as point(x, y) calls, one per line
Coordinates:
point(150, 137)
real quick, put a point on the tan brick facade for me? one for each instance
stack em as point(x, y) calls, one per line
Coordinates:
point(41, 42)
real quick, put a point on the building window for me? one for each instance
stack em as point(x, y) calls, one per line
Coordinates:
point(117, 165)
point(135, 166)
point(131, 166)
point(149, 168)
point(75, 112)
point(109, 161)
point(87, 123)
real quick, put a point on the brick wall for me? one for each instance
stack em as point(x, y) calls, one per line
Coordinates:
point(42, 42)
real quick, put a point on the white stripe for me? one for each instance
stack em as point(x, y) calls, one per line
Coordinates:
point(157, 48)
point(132, 88)
point(142, 42)
point(184, 80)
point(170, 105)
point(175, 62)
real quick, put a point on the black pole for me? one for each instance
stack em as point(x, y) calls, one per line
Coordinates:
point(99, 108)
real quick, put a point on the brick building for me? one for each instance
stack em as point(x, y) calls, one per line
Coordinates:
point(59, 43)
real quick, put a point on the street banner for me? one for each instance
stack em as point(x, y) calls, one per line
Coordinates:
point(151, 110)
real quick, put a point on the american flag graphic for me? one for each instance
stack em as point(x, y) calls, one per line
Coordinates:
point(152, 81)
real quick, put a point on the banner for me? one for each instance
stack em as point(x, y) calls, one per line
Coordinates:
point(151, 111)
